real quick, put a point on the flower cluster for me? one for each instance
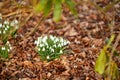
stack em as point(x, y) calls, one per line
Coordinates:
point(50, 47)
point(4, 50)
point(7, 28)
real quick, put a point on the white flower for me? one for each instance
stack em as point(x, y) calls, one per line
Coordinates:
point(52, 50)
point(16, 21)
point(8, 42)
point(4, 32)
point(0, 25)
point(0, 32)
point(54, 45)
point(12, 23)
point(6, 29)
point(59, 45)
point(8, 50)
point(38, 49)
point(43, 49)
point(41, 45)
point(3, 26)
point(44, 39)
point(6, 22)
point(51, 37)
point(61, 51)
point(48, 57)
point(3, 48)
point(36, 42)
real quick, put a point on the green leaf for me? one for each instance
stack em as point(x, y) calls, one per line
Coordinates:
point(57, 10)
point(101, 62)
point(114, 72)
point(48, 7)
point(40, 6)
point(71, 6)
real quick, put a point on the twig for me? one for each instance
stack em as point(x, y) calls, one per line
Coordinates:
point(33, 30)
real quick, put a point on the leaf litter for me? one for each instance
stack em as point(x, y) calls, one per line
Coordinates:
point(87, 35)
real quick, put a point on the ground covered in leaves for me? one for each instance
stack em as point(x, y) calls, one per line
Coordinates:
point(87, 35)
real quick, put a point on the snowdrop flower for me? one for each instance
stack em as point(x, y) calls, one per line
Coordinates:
point(12, 23)
point(61, 51)
point(43, 49)
point(0, 32)
point(15, 21)
point(52, 50)
point(50, 47)
point(44, 39)
point(8, 50)
point(38, 49)
point(3, 48)
point(6, 29)
point(48, 57)
point(4, 32)
point(51, 37)
point(0, 25)
point(36, 42)
point(6, 22)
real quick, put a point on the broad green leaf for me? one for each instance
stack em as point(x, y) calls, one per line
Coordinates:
point(40, 6)
point(71, 6)
point(48, 7)
point(101, 62)
point(57, 10)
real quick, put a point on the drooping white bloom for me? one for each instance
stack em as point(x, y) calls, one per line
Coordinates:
point(4, 32)
point(0, 25)
point(3, 48)
point(38, 49)
point(48, 57)
point(61, 51)
point(6, 22)
point(16, 21)
point(43, 49)
point(52, 50)
point(6, 29)
point(0, 32)
point(8, 50)
point(44, 39)
point(52, 38)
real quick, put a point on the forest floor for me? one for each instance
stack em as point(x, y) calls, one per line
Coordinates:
point(87, 35)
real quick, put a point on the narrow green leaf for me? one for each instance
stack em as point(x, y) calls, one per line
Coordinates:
point(71, 6)
point(111, 5)
point(114, 72)
point(40, 6)
point(101, 62)
point(48, 7)
point(57, 10)
point(109, 42)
